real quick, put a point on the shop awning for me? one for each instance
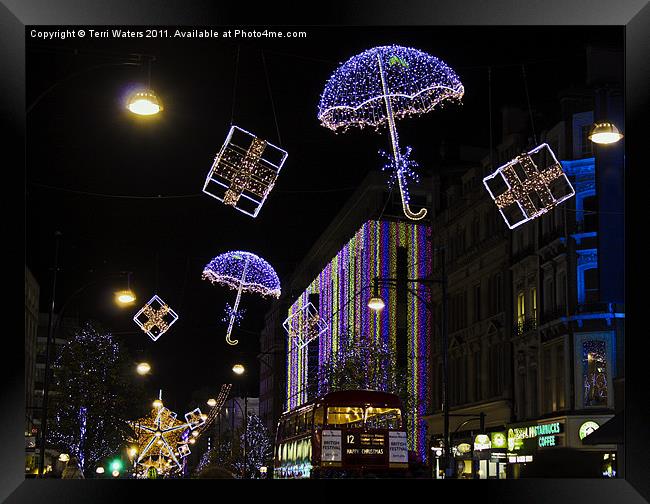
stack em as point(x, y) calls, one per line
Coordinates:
point(610, 432)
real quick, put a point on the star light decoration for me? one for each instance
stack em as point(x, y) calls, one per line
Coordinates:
point(523, 191)
point(162, 438)
point(244, 171)
point(243, 272)
point(304, 325)
point(383, 84)
point(155, 318)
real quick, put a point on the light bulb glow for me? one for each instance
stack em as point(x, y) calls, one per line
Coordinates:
point(125, 297)
point(604, 133)
point(115, 473)
point(238, 369)
point(99, 470)
point(376, 304)
point(143, 368)
point(144, 103)
point(212, 402)
point(157, 403)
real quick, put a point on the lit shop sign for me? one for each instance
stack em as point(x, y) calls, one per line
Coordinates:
point(544, 433)
point(498, 440)
point(587, 428)
point(482, 442)
point(463, 448)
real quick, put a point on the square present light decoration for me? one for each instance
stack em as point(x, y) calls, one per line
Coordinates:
point(305, 325)
point(155, 318)
point(183, 450)
point(194, 419)
point(244, 171)
point(523, 191)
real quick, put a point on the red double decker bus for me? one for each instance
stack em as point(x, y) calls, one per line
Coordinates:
point(342, 434)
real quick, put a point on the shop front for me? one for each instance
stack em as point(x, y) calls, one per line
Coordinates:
point(553, 447)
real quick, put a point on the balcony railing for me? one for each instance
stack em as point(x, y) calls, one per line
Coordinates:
point(523, 326)
point(595, 308)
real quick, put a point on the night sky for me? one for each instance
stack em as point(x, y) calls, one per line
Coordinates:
point(81, 140)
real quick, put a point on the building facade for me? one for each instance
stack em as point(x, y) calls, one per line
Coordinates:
point(31, 330)
point(340, 293)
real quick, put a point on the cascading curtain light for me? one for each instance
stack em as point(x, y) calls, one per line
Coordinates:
point(344, 286)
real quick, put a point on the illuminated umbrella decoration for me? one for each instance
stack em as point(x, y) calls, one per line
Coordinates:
point(243, 272)
point(381, 85)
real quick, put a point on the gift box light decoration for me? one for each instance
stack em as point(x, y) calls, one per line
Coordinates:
point(244, 172)
point(155, 318)
point(528, 186)
point(194, 419)
point(304, 325)
point(381, 85)
point(243, 272)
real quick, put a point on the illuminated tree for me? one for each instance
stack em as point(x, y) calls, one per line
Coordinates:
point(259, 451)
point(363, 364)
point(95, 394)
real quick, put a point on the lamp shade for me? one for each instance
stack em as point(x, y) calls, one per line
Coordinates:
point(604, 133)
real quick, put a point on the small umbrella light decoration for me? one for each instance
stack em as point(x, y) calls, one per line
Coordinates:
point(244, 171)
point(381, 85)
point(161, 440)
point(243, 272)
point(528, 186)
point(155, 318)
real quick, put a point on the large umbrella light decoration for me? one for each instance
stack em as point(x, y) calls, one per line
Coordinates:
point(243, 272)
point(384, 84)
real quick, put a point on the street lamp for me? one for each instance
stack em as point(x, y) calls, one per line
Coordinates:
point(604, 133)
point(144, 103)
point(143, 368)
point(212, 402)
point(376, 303)
point(239, 370)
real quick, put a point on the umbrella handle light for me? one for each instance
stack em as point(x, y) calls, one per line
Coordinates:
point(395, 144)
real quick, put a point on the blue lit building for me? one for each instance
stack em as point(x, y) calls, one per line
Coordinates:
point(568, 332)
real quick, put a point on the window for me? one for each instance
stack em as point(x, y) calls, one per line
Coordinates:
point(547, 380)
point(549, 306)
point(533, 302)
point(383, 418)
point(594, 368)
point(477, 303)
point(561, 295)
point(318, 417)
point(521, 314)
point(350, 416)
point(532, 376)
point(559, 377)
point(591, 285)
point(590, 215)
point(477, 376)
point(585, 143)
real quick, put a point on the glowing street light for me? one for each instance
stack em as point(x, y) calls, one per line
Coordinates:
point(64, 457)
point(125, 297)
point(143, 368)
point(376, 303)
point(238, 369)
point(604, 133)
point(157, 404)
point(212, 402)
point(99, 470)
point(144, 103)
